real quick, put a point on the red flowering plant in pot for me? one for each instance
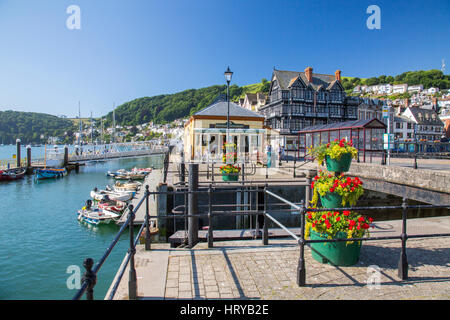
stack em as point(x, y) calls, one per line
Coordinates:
point(335, 190)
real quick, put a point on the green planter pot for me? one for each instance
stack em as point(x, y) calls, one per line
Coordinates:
point(331, 200)
point(341, 165)
point(230, 176)
point(335, 253)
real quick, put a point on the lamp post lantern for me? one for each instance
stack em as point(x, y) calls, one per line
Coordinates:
point(228, 75)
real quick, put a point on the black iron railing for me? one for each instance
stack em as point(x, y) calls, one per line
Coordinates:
point(191, 211)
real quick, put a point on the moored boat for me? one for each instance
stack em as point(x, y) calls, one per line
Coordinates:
point(12, 174)
point(112, 205)
point(113, 195)
point(96, 216)
point(49, 173)
point(127, 186)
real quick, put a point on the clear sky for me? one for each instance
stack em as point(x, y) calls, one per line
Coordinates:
point(130, 49)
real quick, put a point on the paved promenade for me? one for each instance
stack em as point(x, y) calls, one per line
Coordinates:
point(248, 270)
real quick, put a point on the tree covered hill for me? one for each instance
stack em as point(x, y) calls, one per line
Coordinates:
point(166, 108)
point(428, 78)
point(29, 126)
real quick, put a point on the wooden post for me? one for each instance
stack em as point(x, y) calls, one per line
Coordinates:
point(18, 153)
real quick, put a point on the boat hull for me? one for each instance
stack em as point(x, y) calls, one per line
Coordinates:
point(41, 174)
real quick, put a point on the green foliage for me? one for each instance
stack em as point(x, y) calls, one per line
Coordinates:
point(29, 126)
point(166, 108)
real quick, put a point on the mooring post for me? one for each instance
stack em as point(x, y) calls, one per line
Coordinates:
point(210, 227)
point(403, 262)
point(301, 270)
point(295, 161)
point(212, 172)
point(90, 278)
point(148, 239)
point(132, 281)
point(193, 205)
point(28, 158)
point(265, 237)
point(18, 153)
point(66, 156)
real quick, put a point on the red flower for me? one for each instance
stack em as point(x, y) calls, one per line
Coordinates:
point(338, 218)
point(351, 223)
point(346, 213)
point(361, 219)
point(310, 216)
point(329, 214)
point(365, 226)
point(371, 220)
point(324, 216)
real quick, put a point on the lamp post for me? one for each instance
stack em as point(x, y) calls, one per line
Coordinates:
point(228, 75)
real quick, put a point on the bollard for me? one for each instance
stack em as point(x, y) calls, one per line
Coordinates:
point(182, 172)
point(90, 278)
point(18, 153)
point(132, 281)
point(308, 190)
point(28, 157)
point(66, 156)
point(193, 205)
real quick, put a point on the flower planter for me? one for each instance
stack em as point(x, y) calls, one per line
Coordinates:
point(331, 200)
point(230, 176)
point(335, 253)
point(341, 165)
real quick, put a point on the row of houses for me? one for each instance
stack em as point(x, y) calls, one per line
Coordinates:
point(389, 89)
point(298, 100)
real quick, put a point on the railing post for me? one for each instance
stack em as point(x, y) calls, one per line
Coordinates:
point(193, 205)
point(132, 281)
point(210, 228)
point(90, 277)
point(212, 171)
point(403, 262)
point(301, 270)
point(148, 239)
point(295, 161)
point(308, 189)
point(265, 237)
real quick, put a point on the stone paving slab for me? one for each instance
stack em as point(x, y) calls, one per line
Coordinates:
point(249, 270)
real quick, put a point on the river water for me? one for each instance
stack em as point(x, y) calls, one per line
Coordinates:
point(40, 236)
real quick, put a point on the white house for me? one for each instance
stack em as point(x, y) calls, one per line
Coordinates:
point(399, 88)
point(415, 88)
point(403, 128)
point(432, 90)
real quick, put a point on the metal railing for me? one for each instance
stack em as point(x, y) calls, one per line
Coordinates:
point(191, 211)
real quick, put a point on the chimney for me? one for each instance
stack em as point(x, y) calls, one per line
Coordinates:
point(308, 73)
point(337, 75)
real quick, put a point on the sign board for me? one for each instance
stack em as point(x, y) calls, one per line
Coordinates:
point(385, 112)
point(388, 140)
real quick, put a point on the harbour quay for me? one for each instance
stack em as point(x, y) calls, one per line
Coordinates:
point(259, 256)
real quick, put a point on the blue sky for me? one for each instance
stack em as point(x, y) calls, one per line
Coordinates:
point(130, 49)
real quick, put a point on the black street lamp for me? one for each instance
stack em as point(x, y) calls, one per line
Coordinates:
point(228, 75)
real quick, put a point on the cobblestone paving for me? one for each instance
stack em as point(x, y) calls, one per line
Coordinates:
point(271, 273)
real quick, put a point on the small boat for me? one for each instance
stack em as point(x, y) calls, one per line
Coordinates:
point(112, 205)
point(96, 216)
point(12, 174)
point(130, 176)
point(142, 170)
point(49, 173)
point(118, 172)
point(127, 186)
point(113, 195)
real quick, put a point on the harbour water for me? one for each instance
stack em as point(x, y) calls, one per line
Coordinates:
point(41, 237)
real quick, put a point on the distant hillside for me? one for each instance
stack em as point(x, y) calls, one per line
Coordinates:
point(166, 108)
point(29, 126)
point(428, 78)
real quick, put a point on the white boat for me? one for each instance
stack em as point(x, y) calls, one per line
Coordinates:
point(95, 216)
point(113, 195)
point(127, 186)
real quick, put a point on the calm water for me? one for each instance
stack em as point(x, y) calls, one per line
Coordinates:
point(40, 235)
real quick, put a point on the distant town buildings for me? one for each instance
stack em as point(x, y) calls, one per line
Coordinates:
point(253, 101)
